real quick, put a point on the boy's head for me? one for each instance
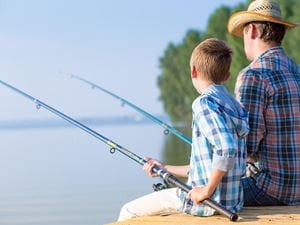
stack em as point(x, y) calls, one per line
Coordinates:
point(211, 61)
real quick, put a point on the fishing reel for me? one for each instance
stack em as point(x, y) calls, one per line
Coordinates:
point(160, 186)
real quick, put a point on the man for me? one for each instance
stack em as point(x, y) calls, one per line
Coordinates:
point(269, 88)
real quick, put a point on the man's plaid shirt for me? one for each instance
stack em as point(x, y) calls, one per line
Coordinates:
point(269, 88)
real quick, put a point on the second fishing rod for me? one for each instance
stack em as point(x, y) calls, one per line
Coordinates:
point(168, 128)
point(166, 176)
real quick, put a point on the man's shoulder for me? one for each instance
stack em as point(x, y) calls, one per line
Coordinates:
point(274, 60)
point(254, 70)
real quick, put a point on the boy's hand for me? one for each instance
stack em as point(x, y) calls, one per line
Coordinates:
point(150, 164)
point(199, 194)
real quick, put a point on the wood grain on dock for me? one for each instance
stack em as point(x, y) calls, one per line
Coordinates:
point(273, 215)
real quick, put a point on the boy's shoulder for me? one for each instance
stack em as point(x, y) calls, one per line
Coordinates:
point(220, 101)
point(205, 102)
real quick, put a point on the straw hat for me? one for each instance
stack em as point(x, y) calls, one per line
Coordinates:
point(259, 11)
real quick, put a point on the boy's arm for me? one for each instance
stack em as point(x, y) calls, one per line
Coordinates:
point(181, 171)
point(199, 194)
point(251, 92)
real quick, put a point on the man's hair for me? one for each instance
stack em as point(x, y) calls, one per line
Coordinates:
point(212, 58)
point(270, 32)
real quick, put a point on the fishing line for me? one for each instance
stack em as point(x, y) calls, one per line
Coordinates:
point(166, 176)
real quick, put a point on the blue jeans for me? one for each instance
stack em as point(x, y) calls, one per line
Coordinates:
point(254, 196)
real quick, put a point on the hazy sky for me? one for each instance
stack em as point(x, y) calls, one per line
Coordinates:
point(114, 43)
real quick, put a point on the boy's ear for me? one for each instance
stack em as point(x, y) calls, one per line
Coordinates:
point(194, 72)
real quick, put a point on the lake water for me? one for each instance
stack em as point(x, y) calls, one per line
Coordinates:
point(66, 177)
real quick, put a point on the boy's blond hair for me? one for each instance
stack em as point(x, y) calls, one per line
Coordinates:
point(212, 58)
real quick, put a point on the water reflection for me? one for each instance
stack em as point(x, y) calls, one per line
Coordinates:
point(64, 176)
point(176, 151)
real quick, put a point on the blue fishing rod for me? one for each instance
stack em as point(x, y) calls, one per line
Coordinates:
point(167, 127)
point(166, 176)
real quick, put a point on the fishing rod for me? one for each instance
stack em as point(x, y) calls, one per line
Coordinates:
point(167, 127)
point(166, 176)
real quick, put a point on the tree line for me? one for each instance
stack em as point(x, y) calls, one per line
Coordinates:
point(176, 90)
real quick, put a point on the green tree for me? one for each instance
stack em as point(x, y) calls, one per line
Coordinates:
point(217, 23)
point(290, 12)
point(177, 91)
point(239, 60)
point(176, 151)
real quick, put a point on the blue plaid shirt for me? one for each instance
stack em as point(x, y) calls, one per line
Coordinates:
point(270, 89)
point(220, 126)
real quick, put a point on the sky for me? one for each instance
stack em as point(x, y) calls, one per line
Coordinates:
point(116, 44)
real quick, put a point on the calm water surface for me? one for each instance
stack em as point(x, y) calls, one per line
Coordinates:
point(66, 177)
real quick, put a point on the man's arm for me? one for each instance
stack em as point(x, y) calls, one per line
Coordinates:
point(251, 91)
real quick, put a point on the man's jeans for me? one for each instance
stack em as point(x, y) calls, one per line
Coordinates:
point(254, 196)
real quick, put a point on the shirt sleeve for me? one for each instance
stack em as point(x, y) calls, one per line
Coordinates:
point(218, 132)
point(251, 91)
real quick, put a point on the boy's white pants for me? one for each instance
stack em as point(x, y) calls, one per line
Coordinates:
point(162, 202)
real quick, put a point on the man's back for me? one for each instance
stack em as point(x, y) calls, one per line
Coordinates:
point(270, 88)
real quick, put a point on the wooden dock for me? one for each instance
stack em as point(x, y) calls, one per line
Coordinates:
point(273, 215)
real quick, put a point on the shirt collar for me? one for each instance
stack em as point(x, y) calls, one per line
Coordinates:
point(270, 51)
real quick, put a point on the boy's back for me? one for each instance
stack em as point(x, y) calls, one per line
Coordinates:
point(220, 126)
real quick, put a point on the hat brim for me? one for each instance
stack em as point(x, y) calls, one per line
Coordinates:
point(238, 20)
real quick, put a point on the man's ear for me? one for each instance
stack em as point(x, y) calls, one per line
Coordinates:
point(254, 31)
point(194, 72)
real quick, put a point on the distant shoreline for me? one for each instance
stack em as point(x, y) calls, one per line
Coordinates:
point(58, 123)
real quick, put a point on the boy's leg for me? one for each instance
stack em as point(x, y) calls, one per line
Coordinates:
point(161, 202)
point(254, 196)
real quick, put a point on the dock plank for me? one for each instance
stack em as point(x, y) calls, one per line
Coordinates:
point(275, 215)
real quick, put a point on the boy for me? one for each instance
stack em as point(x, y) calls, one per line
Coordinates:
point(217, 163)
